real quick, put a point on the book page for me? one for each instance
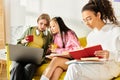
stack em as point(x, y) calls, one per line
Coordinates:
point(100, 61)
point(58, 55)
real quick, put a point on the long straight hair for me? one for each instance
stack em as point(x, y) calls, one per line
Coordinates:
point(63, 28)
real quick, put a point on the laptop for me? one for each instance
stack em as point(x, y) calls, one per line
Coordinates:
point(25, 54)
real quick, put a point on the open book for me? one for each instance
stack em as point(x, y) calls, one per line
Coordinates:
point(86, 52)
point(90, 60)
point(64, 54)
point(79, 54)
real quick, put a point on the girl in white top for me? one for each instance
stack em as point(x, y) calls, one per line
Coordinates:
point(95, 14)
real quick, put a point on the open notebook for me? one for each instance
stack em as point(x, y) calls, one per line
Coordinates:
point(86, 52)
point(85, 62)
point(89, 60)
point(79, 54)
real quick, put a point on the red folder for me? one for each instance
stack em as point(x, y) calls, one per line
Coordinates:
point(86, 52)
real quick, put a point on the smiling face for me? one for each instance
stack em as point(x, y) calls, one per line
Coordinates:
point(54, 27)
point(90, 18)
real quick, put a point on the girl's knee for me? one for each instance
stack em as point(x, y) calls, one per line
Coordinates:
point(73, 66)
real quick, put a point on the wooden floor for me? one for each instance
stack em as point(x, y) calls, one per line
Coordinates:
point(3, 74)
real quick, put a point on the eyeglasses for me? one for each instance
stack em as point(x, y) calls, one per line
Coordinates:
point(87, 19)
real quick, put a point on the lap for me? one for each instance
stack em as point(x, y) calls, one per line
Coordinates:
point(22, 71)
point(94, 71)
point(22, 65)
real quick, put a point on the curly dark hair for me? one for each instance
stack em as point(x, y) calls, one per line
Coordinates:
point(104, 7)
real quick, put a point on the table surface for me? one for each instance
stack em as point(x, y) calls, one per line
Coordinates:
point(2, 54)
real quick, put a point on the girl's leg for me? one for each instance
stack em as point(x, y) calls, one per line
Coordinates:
point(30, 69)
point(58, 71)
point(56, 62)
point(17, 72)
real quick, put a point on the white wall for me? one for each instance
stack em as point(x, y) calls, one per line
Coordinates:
point(22, 14)
point(25, 12)
point(116, 6)
point(70, 11)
